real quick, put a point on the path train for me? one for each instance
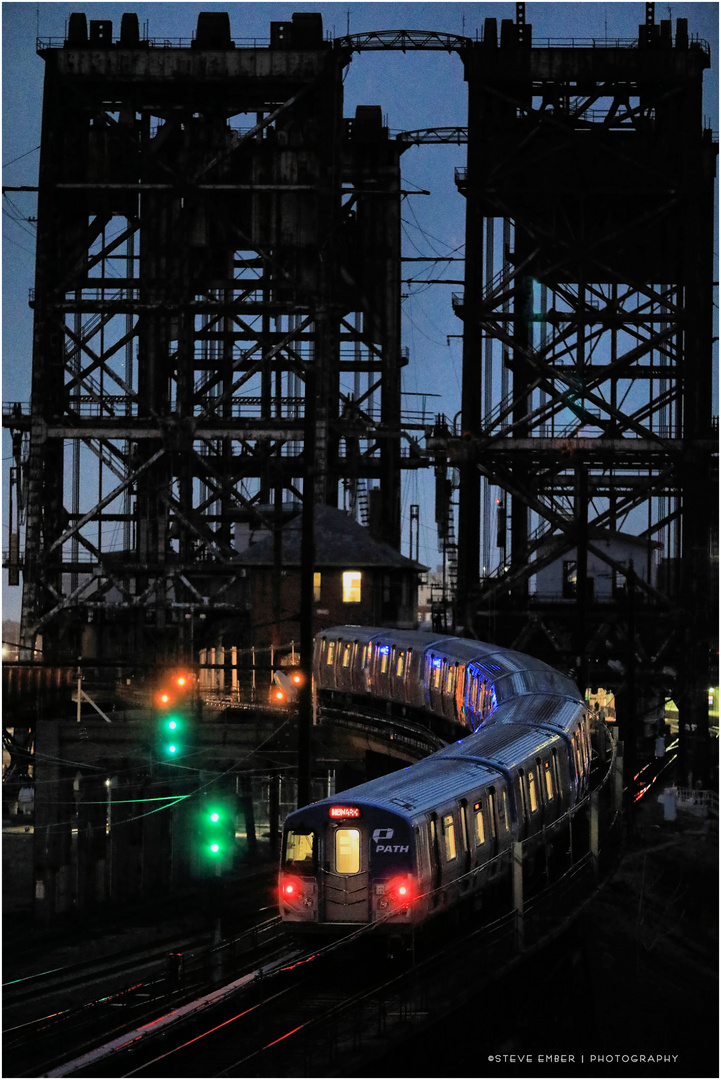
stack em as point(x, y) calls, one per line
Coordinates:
point(397, 850)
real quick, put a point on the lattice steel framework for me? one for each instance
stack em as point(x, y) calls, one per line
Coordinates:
point(217, 325)
point(587, 341)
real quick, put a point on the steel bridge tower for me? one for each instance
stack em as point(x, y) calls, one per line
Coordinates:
point(587, 364)
point(217, 326)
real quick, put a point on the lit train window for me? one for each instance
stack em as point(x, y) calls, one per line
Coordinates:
point(492, 812)
point(480, 829)
point(331, 652)
point(549, 780)
point(577, 756)
point(436, 672)
point(532, 796)
point(346, 655)
point(464, 824)
point(449, 836)
point(384, 660)
point(400, 664)
point(347, 851)
point(450, 678)
point(298, 848)
point(504, 811)
point(522, 793)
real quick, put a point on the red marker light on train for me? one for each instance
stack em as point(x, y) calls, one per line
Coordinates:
point(399, 889)
point(290, 889)
point(344, 811)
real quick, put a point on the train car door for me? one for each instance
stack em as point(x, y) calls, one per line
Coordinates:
point(346, 878)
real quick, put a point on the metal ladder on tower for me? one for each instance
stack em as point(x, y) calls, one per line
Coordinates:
point(362, 502)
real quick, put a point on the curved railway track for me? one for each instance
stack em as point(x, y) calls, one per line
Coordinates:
point(406, 733)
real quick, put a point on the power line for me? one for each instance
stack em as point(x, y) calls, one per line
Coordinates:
point(21, 156)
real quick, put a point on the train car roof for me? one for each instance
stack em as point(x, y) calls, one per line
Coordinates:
point(508, 744)
point(417, 788)
point(351, 632)
point(542, 709)
point(511, 741)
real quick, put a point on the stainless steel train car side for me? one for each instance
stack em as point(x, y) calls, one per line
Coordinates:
point(458, 681)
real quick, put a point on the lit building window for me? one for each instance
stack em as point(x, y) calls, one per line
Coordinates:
point(316, 587)
point(351, 586)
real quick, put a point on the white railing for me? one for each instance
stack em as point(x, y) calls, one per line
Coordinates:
point(695, 797)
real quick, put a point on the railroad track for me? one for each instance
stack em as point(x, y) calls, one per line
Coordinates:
point(313, 1014)
point(57, 988)
point(406, 732)
point(84, 1005)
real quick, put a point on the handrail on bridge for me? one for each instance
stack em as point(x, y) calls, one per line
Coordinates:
point(403, 40)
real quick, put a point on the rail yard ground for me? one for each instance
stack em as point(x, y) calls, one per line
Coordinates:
point(630, 991)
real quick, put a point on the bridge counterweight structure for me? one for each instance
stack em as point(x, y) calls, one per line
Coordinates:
point(588, 305)
point(213, 238)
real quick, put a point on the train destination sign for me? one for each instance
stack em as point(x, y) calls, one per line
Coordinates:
point(344, 811)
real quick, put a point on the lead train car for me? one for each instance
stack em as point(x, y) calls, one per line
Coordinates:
point(397, 850)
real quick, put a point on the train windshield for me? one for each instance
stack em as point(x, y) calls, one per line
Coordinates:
point(298, 853)
point(347, 851)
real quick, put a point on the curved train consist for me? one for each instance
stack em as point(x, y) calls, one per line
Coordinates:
point(397, 850)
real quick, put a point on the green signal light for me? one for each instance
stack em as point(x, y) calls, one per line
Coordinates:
point(172, 749)
point(215, 816)
point(215, 848)
point(172, 724)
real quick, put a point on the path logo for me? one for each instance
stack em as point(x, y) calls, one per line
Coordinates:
point(382, 834)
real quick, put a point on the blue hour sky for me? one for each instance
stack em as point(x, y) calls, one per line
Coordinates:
point(415, 90)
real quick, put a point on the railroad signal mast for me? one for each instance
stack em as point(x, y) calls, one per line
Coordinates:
point(175, 711)
point(215, 834)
